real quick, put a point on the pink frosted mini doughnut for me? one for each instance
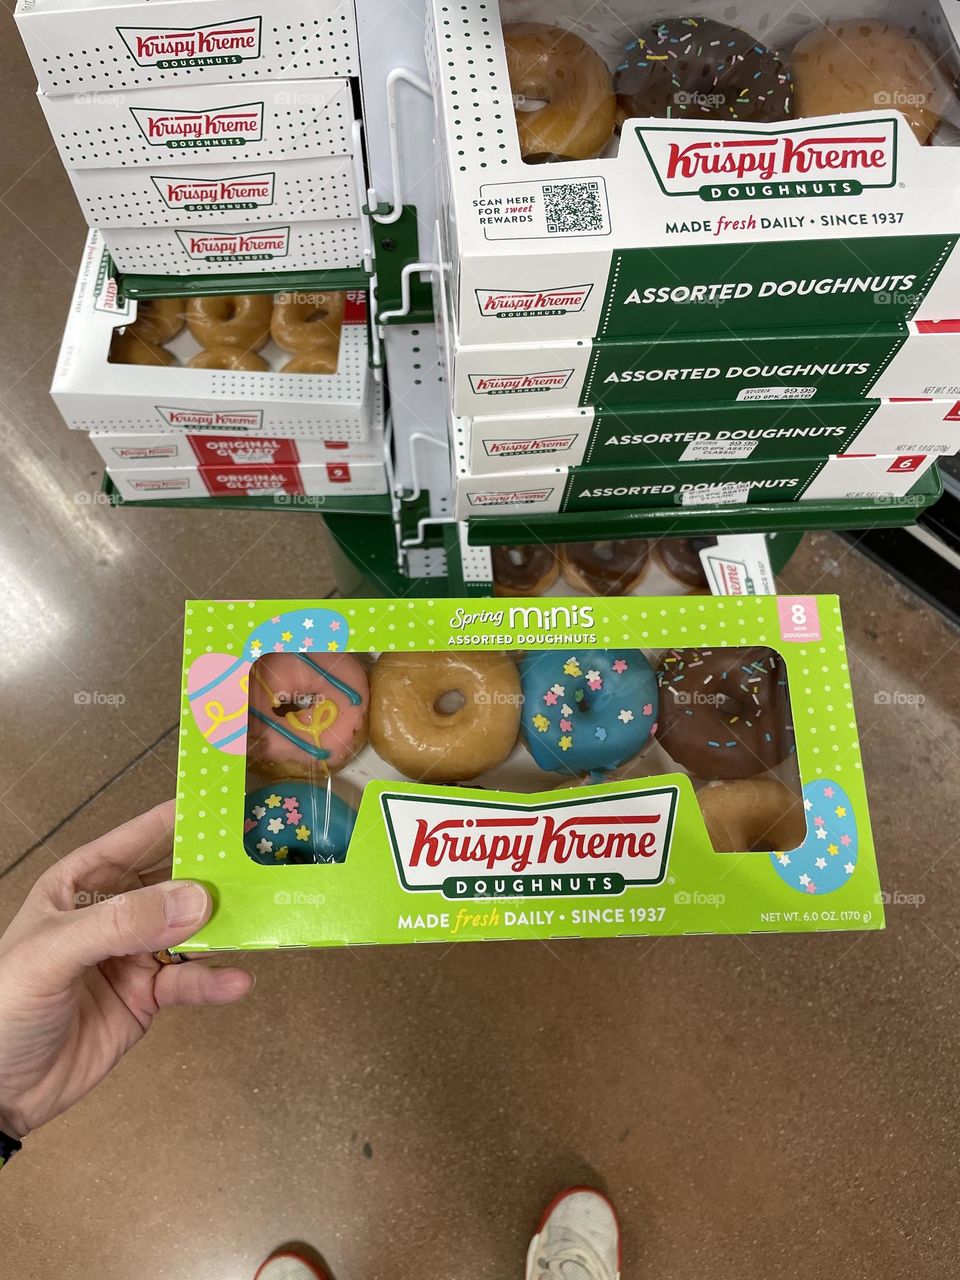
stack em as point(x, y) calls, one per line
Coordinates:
point(308, 714)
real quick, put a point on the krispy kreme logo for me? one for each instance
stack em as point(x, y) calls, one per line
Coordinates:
point(476, 848)
point(239, 246)
point(547, 302)
point(217, 194)
point(224, 44)
point(727, 164)
point(179, 130)
point(499, 384)
point(510, 498)
point(212, 419)
point(522, 448)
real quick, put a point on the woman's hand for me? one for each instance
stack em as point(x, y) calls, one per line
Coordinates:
point(79, 985)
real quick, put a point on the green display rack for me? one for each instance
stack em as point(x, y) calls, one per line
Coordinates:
point(675, 522)
point(263, 282)
point(396, 245)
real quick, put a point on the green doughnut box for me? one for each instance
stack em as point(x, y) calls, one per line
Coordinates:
point(607, 848)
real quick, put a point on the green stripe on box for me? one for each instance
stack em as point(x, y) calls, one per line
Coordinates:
point(655, 436)
point(770, 285)
point(602, 488)
point(837, 364)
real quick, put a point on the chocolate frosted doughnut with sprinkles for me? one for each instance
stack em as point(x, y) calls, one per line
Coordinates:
point(725, 713)
point(699, 69)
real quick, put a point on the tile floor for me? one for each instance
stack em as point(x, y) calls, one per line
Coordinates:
point(769, 1107)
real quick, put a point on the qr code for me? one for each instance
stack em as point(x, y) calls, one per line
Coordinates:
point(574, 208)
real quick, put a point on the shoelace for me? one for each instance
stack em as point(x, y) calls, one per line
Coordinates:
point(552, 1268)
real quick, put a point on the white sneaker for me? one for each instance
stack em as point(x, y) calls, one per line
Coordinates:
point(289, 1266)
point(578, 1239)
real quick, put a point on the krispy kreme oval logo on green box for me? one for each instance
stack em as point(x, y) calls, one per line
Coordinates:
point(239, 246)
point(477, 848)
point(227, 127)
point(524, 448)
point(216, 194)
point(169, 48)
point(841, 159)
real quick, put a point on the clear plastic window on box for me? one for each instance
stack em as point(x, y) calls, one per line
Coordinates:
point(323, 724)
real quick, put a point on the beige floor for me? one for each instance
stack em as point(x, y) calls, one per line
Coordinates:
point(774, 1107)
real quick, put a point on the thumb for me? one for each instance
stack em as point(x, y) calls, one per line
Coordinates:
point(129, 924)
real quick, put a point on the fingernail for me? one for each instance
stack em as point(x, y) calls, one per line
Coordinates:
point(184, 905)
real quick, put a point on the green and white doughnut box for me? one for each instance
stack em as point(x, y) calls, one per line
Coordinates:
point(520, 853)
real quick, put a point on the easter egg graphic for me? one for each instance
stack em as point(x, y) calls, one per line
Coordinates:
point(828, 857)
point(318, 630)
point(217, 686)
point(293, 823)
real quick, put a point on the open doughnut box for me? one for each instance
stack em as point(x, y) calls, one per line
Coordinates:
point(808, 179)
point(371, 772)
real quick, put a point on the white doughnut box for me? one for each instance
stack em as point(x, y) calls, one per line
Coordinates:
point(285, 482)
point(667, 434)
point(142, 452)
point(216, 179)
point(688, 484)
point(77, 46)
point(688, 225)
point(94, 394)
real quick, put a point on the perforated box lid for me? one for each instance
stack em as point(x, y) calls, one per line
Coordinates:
point(81, 45)
point(203, 124)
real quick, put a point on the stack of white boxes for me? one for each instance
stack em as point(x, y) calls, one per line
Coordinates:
point(203, 141)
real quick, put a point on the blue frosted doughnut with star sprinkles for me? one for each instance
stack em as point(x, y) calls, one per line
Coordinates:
point(828, 857)
point(296, 823)
point(587, 712)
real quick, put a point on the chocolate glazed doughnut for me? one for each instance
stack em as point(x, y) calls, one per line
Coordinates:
point(698, 69)
point(605, 568)
point(679, 558)
point(725, 713)
point(524, 571)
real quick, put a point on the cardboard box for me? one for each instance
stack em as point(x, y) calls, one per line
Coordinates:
point(846, 212)
point(229, 249)
point(76, 46)
point(756, 430)
point(143, 452)
point(311, 189)
point(688, 484)
point(177, 127)
point(522, 851)
point(95, 395)
point(913, 359)
point(335, 480)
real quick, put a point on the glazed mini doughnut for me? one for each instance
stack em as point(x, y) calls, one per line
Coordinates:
point(444, 717)
point(159, 320)
point(725, 713)
point(292, 823)
point(130, 348)
point(304, 321)
point(241, 321)
point(679, 558)
point(323, 360)
point(605, 568)
point(524, 571)
point(587, 712)
point(753, 815)
point(556, 67)
point(308, 713)
point(698, 69)
point(231, 358)
point(865, 66)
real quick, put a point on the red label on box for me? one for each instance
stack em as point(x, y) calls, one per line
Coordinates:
point(225, 482)
point(238, 451)
point(908, 462)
